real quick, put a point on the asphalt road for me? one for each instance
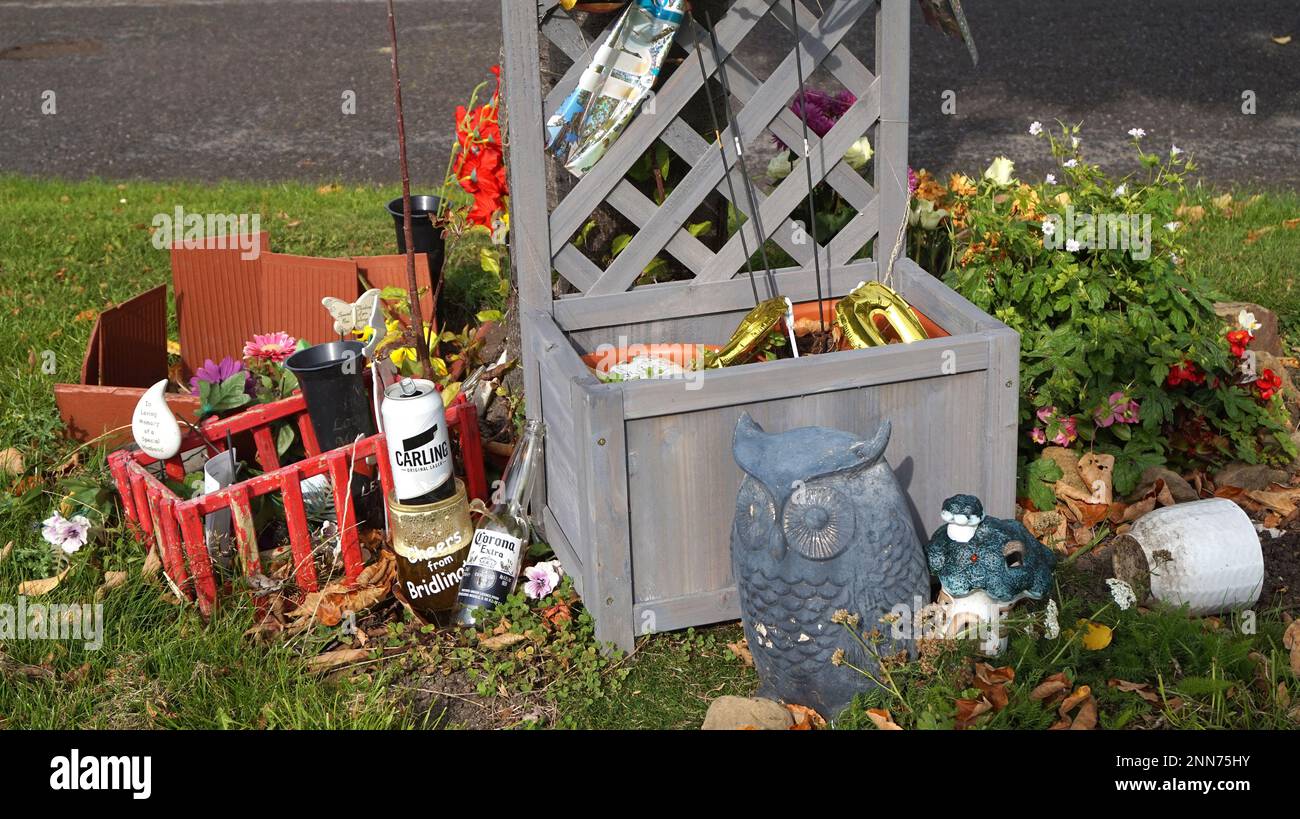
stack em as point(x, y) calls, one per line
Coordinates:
point(253, 89)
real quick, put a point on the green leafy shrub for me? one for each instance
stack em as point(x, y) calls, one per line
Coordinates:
point(1121, 350)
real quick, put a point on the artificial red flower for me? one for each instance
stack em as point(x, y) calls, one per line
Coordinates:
point(1267, 384)
point(1237, 341)
point(479, 165)
point(1185, 373)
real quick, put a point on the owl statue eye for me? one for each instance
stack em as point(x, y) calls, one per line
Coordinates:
point(755, 513)
point(818, 522)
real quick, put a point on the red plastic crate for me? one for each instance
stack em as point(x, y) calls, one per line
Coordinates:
point(175, 526)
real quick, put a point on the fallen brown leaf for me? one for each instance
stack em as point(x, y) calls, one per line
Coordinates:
point(152, 563)
point(881, 718)
point(992, 683)
point(1190, 214)
point(1085, 719)
point(1291, 637)
point(112, 580)
point(805, 718)
point(500, 641)
point(742, 652)
point(5, 552)
point(1253, 236)
point(11, 462)
point(1143, 690)
point(35, 588)
point(77, 674)
point(334, 659)
point(1051, 689)
point(970, 710)
point(1291, 224)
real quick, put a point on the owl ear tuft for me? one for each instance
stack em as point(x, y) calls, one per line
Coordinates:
point(870, 451)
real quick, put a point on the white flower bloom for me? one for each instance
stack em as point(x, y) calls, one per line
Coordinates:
point(1074, 142)
point(1073, 245)
point(1246, 321)
point(1121, 190)
point(1174, 150)
point(999, 172)
point(1172, 226)
point(1136, 133)
point(1122, 593)
point(1173, 257)
point(1035, 128)
point(1050, 179)
point(1071, 163)
point(859, 154)
point(1049, 227)
point(1051, 621)
point(779, 167)
point(68, 535)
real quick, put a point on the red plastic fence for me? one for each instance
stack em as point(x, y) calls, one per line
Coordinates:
point(175, 525)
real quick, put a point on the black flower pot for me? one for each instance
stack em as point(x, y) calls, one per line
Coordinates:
point(425, 234)
point(333, 381)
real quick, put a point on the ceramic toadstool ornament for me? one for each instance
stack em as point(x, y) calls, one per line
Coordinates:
point(985, 566)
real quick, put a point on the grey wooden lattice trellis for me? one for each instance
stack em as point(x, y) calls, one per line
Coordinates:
point(638, 477)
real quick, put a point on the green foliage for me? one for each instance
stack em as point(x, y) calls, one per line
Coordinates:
point(225, 396)
point(1108, 319)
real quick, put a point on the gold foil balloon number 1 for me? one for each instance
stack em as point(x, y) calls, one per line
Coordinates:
point(856, 313)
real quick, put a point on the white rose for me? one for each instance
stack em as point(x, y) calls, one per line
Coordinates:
point(999, 173)
point(859, 154)
point(779, 168)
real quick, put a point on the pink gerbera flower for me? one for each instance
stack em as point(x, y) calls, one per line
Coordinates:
point(271, 347)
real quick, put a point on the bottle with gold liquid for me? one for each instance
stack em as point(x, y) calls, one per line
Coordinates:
point(501, 541)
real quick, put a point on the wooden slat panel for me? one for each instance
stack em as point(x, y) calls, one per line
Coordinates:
point(342, 485)
point(942, 304)
point(295, 516)
point(704, 177)
point(691, 298)
point(559, 542)
point(893, 66)
point(791, 192)
point(670, 99)
point(862, 228)
point(831, 372)
point(241, 518)
point(602, 458)
point(683, 463)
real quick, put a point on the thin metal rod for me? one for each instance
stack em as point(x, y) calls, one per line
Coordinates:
point(807, 161)
point(726, 166)
point(412, 285)
point(734, 124)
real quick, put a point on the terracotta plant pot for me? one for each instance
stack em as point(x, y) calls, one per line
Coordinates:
point(683, 355)
point(807, 311)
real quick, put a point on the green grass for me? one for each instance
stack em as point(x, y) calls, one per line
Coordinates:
point(69, 247)
point(1263, 272)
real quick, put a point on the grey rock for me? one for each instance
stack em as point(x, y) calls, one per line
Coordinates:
point(1178, 486)
point(1267, 338)
point(735, 713)
point(1250, 476)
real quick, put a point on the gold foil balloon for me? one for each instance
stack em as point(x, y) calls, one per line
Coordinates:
point(753, 328)
point(856, 313)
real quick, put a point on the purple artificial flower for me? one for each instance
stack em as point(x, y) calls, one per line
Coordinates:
point(913, 181)
point(820, 110)
point(216, 373)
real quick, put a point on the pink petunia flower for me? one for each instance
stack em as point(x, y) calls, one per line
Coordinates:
point(271, 347)
point(1038, 436)
point(68, 534)
point(541, 581)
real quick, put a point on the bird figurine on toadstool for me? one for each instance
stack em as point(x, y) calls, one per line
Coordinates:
point(985, 566)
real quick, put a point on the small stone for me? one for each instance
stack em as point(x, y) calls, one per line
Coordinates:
point(736, 713)
point(1267, 339)
point(1250, 476)
point(1181, 490)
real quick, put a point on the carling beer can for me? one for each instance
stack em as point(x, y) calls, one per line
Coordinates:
point(419, 449)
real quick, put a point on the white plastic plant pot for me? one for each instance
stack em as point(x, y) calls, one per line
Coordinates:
point(1204, 555)
point(977, 616)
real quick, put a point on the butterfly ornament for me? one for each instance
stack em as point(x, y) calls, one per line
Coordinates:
point(352, 316)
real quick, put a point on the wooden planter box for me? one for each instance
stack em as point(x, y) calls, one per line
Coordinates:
point(640, 483)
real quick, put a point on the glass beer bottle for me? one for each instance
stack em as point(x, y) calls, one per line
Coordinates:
point(503, 535)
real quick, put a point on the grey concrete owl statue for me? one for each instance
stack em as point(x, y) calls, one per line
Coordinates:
point(821, 526)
